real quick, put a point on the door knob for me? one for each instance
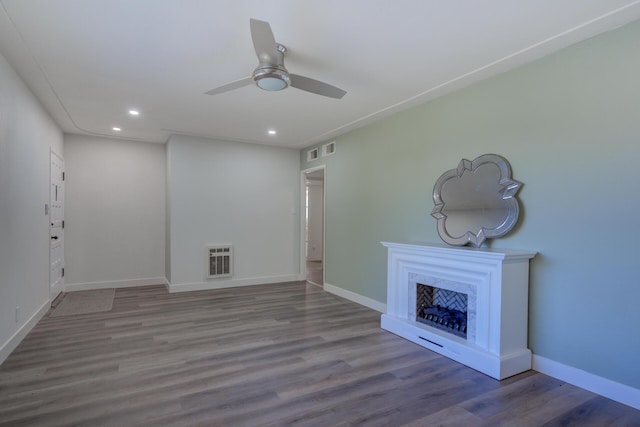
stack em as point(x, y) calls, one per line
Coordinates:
point(54, 237)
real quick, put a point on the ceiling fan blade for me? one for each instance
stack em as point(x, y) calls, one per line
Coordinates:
point(316, 86)
point(231, 86)
point(264, 42)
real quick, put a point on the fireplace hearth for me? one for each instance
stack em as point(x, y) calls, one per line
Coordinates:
point(466, 303)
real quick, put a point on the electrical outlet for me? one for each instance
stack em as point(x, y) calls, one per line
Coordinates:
point(17, 313)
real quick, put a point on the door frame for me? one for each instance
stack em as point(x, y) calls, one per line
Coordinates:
point(303, 228)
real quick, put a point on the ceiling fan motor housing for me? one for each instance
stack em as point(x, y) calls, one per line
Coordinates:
point(269, 76)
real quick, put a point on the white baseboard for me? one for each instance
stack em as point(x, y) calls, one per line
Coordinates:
point(69, 287)
point(231, 283)
point(615, 391)
point(357, 298)
point(16, 338)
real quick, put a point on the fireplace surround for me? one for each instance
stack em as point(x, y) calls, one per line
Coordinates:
point(495, 284)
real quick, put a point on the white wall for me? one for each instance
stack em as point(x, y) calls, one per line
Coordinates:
point(27, 134)
point(115, 212)
point(231, 193)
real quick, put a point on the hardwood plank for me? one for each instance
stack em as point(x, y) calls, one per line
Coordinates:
point(538, 408)
point(278, 354)
point(598, 411)
point(451, 416)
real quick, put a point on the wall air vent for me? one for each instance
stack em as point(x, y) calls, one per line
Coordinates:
point(219, 261)
point(313, 154)
point(328, 149)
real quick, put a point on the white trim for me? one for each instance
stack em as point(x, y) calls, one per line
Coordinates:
point(357, 298)
point(234, 283)
point(70, 287)
point(11, 344)
point(619, 392)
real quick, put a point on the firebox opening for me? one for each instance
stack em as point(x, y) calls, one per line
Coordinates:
point(442, 309)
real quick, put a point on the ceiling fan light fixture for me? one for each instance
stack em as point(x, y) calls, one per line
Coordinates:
point(271, 83)
point(271, 79)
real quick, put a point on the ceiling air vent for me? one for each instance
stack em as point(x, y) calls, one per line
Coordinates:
point(328, 149)
point(219, 261)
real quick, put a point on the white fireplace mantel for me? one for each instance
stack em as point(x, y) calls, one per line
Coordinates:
point(498, 282)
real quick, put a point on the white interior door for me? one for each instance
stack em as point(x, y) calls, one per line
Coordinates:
point(56, 219)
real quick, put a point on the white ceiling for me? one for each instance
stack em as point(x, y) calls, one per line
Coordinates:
point(90, 61)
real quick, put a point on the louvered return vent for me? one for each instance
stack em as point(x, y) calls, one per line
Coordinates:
point(220, 261)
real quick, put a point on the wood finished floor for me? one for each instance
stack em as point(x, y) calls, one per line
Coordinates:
point(283, 354)
point(314, 272)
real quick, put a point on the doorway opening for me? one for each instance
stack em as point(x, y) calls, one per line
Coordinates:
point(313, 225)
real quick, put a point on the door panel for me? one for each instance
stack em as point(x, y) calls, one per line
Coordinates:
point(56, 219)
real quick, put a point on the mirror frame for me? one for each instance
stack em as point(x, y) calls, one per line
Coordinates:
point(479, 234)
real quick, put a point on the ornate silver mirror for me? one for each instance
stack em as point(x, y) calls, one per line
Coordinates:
point(476, 201)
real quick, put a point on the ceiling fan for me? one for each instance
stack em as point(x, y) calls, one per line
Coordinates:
point(271, 74)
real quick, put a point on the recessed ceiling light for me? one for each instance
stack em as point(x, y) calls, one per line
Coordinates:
point(271, 132)
point(134, 112)
point(117, 129)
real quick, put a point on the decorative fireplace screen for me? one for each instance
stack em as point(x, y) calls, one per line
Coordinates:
point(441, 308)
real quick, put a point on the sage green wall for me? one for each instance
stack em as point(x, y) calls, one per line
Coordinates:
point(569, 124)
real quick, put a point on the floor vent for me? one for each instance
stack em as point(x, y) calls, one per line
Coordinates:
point(220, 261)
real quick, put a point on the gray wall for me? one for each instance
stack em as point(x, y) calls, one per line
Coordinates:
point(224, 192)
point(142, 213)
point(115, 212)
point(570, 127)
point(27, 134)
